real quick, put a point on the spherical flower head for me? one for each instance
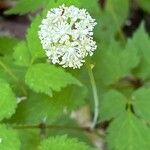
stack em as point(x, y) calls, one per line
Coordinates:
point(66, 35)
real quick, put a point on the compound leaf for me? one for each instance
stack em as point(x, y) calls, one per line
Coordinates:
point(25, 6)
point(128, 133)
point(7, 49)
point(46, 77)
point(111, 20)
point(145, 4)
point(62, 142)
point(21, 54)
point(8, 139)
point(118, 13)
point(33, 40)
point(141, 103)
point(116, 62)
point(112, 105)
point(49, 109)
point(29, 139)
point(141, 41)
point(8, 102)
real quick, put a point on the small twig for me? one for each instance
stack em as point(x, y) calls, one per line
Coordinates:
point(46, 126)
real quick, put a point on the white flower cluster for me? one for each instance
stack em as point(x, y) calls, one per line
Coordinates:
point(66, 35)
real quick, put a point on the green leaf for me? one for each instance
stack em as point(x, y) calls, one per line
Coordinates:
point(62, 142)
point(54, 4)
point(115, 62)
point(13, 74)
point(29, 138)
point(93, 6)
point(26, 52)
point(46, 77)
point(105, 28)
point(141, 103)
point(141, 41)
point(79, 134)
point(78, 3)
point(33, 40)
point(111, 20)
point(118, 13)
point(112, 105)
point(8, 102)
point(8, 139)
point(6, 45)
point(26, 6)
point(145, 4)
point(128, 133)
point(49, 109)
point(21, 54)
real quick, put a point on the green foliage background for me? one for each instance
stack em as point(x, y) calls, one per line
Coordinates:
point(119, 62)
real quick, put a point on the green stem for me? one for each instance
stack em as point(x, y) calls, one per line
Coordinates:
point(95, 94)
point(45, 126)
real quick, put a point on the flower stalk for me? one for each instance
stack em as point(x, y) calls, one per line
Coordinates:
point(95, 94)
